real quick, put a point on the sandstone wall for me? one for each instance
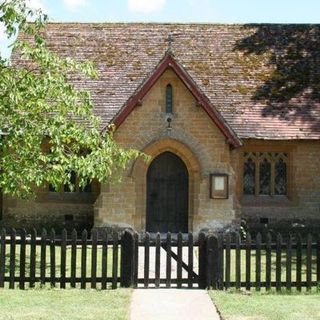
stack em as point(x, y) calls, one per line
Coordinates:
point(193, 137)
point(50, 209)
point(302, 205)
point(200, 144)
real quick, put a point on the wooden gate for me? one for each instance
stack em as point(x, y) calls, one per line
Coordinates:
point(163, 260)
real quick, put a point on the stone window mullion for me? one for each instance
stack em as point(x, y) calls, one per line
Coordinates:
point(265, 173)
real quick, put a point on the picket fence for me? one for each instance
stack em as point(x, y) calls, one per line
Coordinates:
point(99, 260)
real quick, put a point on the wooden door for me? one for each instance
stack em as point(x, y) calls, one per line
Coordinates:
point(167, 194)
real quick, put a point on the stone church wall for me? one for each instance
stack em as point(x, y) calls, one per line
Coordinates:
point(193, 137)
point(200, 144)
point(50, 209)
point(301, 208)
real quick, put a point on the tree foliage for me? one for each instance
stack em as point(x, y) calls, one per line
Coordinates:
point(48, 129)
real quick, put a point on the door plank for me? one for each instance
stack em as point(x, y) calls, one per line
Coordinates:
point(167, 195)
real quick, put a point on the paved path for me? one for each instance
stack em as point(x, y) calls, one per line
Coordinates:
point(163, 259)
point(172, 304)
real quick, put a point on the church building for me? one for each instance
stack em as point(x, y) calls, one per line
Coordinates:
point(229, 115)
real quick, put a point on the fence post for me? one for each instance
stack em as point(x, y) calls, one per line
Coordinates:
point(127, 259)
point(212, 262)
point(2, 257)
point(220, 262)
point(23, 236)
point(202, 282)
point(12, 258)
point(136, 260)
point(318, 259)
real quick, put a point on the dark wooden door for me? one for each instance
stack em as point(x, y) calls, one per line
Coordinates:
point(167, 194)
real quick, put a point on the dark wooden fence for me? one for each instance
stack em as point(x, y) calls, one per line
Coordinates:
point(263, 263)
point(158, 260)
point(70, 260)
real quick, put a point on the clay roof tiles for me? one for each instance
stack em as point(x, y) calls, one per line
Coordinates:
point(263, 79)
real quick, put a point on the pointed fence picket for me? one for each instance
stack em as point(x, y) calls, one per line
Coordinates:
point(266, 262)
point(60, 261)
point(100, 261)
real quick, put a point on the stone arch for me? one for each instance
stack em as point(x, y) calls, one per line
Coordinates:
point(139, 174)
point(195, 148)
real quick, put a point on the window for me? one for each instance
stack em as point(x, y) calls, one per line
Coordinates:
point(73, 180)
point(66, 188)
point(265, 173)
point(169, 99)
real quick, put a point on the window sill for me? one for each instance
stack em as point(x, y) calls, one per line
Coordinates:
point(266, 201)
point(68, 197)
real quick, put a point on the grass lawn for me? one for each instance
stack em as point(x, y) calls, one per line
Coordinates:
point(258, 306)
point(58, 261)
point(70, 304)
point(273, 265)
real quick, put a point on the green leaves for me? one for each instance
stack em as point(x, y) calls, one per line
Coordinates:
point(48, 124)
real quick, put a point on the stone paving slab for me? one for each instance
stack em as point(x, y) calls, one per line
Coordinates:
point(172, 304)
point(163, 253)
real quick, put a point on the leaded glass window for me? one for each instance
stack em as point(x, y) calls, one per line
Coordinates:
point(280, 178)
point(86, 188)
point(76, 188)
point(73, 178)
point(249, 177)
point(52, 188)
point(265, 173)
point(169, 99)
point(265, 177)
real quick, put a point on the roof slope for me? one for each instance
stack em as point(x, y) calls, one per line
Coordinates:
point(169, 62)
point(263, 79)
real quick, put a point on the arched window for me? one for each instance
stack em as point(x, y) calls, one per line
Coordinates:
point(280, 177)
point(75, 182)
point(265, 173)
point(249, 173)
point(169, 99)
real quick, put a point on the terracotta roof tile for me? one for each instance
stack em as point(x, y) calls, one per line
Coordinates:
point(264, 79)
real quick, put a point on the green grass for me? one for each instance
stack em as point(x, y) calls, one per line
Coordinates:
point(257, 306)
point(273, 265)
point(72, 304)
point(58, 261)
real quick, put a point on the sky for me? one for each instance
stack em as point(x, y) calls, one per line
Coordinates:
point(211, 11)
point(214, 11)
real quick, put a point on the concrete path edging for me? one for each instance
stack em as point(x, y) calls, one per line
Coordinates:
point(172, 304)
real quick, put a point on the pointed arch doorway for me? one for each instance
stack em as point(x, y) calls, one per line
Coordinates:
point(167, 194)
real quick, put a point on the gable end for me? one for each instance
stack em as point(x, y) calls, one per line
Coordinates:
point(170, 63)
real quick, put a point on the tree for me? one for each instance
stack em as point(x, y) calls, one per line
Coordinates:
point(48, 129)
